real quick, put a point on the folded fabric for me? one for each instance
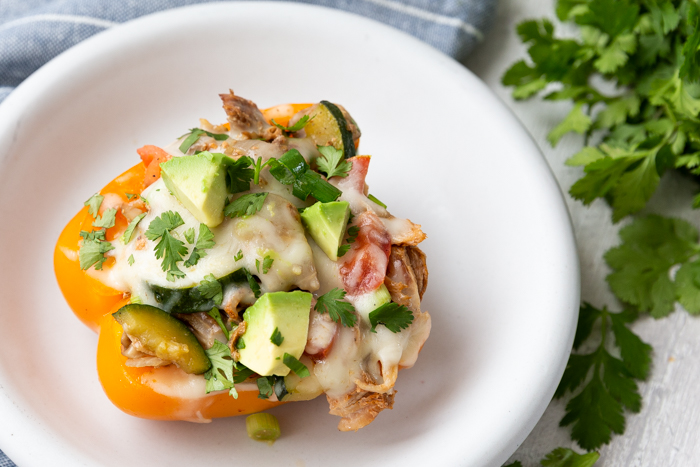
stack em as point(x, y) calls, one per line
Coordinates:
point(33, 32)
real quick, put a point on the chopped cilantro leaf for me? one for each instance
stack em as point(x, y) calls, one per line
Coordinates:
point(277, 338)
point(264, 387)
point(301, 123)
point(216, 316)
point(94, 204)
point(94, 235)
point(239, 256)
point(92, 251)
point(168, 248)
point(130, 260)
point(195, 134)
point(205, 240)
point(211, 288)
point(295, 365)
point(189, 235)
point(339, 311)
point(292, 169)
point(129, 232)
point(374, 198)
point(254, 286)
point(239, 174)
point(242, 372)
point(392, 315)
point(342, 249)
point(332, 162)
point(106, 220)
point(220, 376)
point(130, 196)
point(246, 205)
point(267, 264)
point(352, 233)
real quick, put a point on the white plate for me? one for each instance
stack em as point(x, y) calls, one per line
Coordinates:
point(504, 283)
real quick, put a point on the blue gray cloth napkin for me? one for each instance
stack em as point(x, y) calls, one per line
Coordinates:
point(33, 32)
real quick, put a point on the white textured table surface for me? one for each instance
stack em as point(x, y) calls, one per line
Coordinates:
point(666, 432)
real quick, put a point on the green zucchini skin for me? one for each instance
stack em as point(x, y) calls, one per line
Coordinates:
point(348, 143)
point(165, 336)
point(191, 300)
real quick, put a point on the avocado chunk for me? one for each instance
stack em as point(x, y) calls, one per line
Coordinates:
point(199, 183)
point(326, 223)
point(286, 312)
point(165, 336)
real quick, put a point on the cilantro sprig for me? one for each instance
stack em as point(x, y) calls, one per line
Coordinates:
point(93, 249)
point(647, 52)
point(339, 310)
point(168, 247)
point(292, 169)
point(604, 385)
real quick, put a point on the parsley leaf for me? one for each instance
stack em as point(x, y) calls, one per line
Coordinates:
point(211, 288)
point(106, 220)
point(277, 338)
point(94, 204)
point(195, 134)
point(168, 248)
point(295, 365)
point(332, 162)
point(220, 376)
point(205, 240)
point(129, 232)
point(216, 316)
point(392, 315)
point(301, 123)
point(339, 311)
point(246, 205)
point(608, 382)
point(641, 265)
point(92, 251)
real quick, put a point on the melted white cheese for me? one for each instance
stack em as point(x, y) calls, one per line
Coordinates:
point(274, 231)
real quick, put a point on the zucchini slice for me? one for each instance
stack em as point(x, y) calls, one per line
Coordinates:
point(164, 335)
point(191, 300)
point(329, 127)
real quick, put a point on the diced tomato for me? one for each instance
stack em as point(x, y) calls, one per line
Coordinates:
point(366, 263)
point(152, 156)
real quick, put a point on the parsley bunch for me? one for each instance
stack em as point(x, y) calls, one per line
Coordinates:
point(643, 118)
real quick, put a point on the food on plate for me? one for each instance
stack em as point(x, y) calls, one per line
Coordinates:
point(244, 266)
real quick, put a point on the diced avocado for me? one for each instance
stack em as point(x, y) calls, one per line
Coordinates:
point(199, 183)
point(288, 312)
point(164, 335)
point(326, 223)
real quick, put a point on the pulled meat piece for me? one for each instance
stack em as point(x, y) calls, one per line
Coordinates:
point(235, 335)
point(358, 409)
point(137, 355)
point(407, 276)
point(245, 118)
point(203, 326)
